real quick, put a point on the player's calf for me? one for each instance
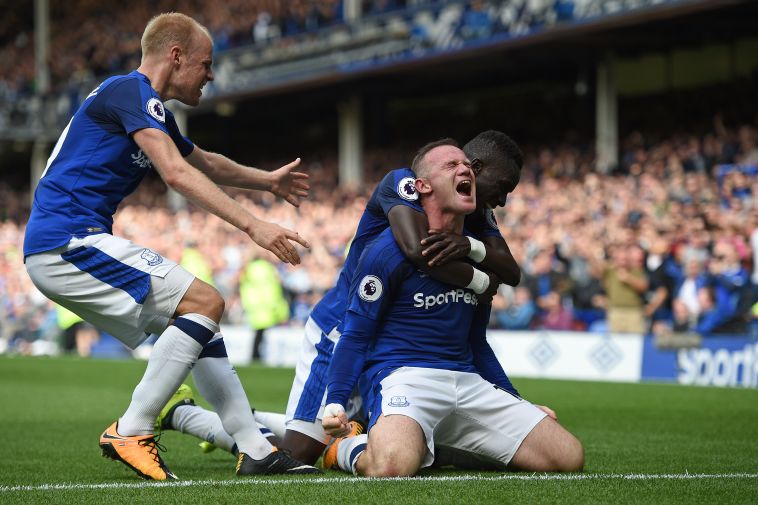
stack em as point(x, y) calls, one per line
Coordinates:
point(302, 446)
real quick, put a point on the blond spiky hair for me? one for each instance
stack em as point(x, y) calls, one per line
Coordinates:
point(168, 29)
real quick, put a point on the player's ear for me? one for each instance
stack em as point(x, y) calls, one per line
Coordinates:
point(176, 53)
point(423, 186)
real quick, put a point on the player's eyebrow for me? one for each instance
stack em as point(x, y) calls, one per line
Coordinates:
point(454, 163)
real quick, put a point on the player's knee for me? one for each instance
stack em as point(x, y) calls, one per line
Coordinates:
point(213, 305)
point(390, 469)
point(388, 464)
point(217, 304)
point(571, 458)
point(202, 298)
point(575, 457)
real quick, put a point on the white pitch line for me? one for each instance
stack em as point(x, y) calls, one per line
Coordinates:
point(347, 480)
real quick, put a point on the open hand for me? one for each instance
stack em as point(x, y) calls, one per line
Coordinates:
point(292, 186)
point(277, 240)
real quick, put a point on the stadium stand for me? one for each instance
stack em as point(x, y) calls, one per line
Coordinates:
point(563, 213)
point(288, 40)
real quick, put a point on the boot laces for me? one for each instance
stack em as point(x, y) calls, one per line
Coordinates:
point(153, 447)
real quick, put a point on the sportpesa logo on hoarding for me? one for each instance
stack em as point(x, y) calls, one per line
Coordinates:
point(719, 367)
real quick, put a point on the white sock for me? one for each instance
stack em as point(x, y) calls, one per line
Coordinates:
point(203, 424)
point(349, 450)
point(217, 382)
point(273, 421)
point(169, 364)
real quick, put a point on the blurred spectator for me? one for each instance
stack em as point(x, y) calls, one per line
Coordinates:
point(514, 311)
point(555, 315)
point(264, 29)
point(195, 263)
point(262, 298)
point(549, 286)
point(625, 284)
point(664, 274)
point(587, 295)
point(476, 22)
point(300, 308)
point(690, 296)
point(730, 293)
point(75, 334)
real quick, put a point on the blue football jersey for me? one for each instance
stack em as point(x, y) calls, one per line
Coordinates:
point(398, 316)
point(95, 163)
point(396, 188)
point(480, 224)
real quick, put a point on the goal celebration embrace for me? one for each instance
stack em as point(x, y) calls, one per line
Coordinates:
point(382, 251)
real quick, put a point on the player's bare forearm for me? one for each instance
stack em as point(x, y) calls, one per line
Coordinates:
point(197, 187)
point(500, 261)
point(227, 172)
point(456, 272)
point(203, 192)
point(283, 182)
point(410, 227)
point(441, 248)
point(189, 181)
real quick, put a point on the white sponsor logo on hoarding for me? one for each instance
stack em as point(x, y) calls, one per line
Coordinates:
point(721, 367)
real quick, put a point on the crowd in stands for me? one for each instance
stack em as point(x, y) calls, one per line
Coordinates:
point(90, 40)
point(667, 242)
point(85, 40)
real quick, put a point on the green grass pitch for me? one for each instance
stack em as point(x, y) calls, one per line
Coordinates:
point(645, 443)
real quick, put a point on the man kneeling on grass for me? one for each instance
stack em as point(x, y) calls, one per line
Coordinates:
point(434, 380)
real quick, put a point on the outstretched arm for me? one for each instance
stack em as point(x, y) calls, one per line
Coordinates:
point(193, 184)
point(283, 182)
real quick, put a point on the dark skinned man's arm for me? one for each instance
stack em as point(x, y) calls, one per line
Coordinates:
point(409, 227)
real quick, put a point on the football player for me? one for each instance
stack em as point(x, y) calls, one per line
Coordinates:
point(121, 131)
point(432, 380)
point(394, 203)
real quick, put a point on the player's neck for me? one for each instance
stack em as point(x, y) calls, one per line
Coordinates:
point(158, 76)
point(444, 221)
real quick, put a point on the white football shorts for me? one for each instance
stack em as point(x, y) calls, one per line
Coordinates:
point(459, 410)
point(305, 407)
point(123, 289)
